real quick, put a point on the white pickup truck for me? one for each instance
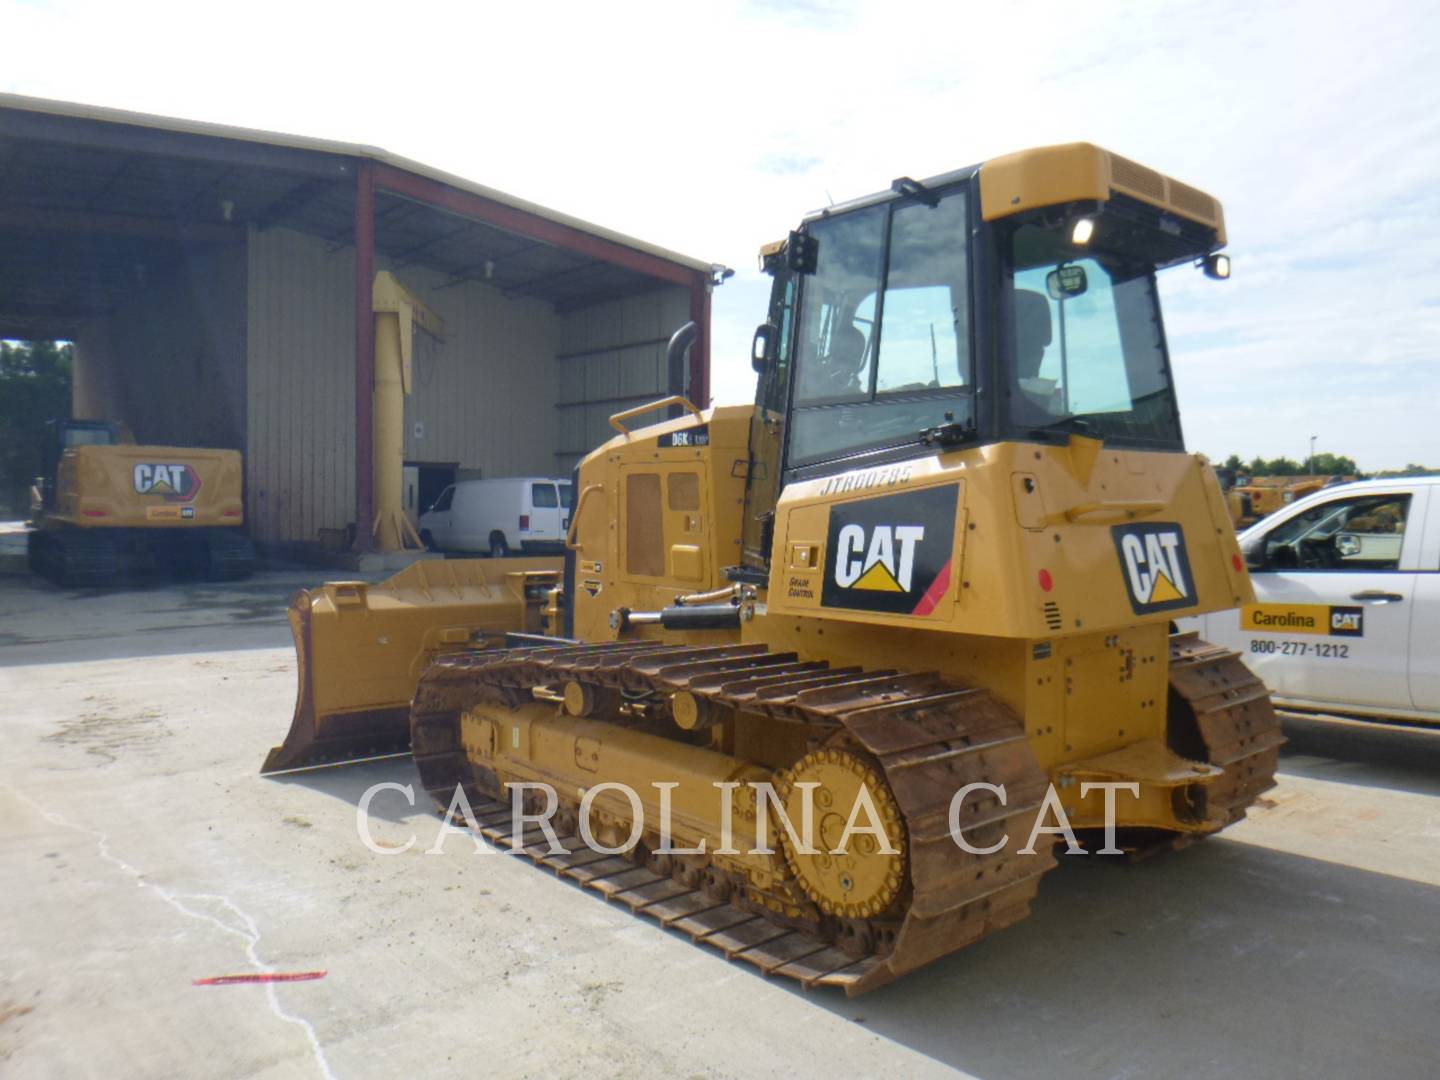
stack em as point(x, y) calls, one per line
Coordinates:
point(1347, 612)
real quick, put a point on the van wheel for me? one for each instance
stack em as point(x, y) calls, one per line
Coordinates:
point(428, 540)
point(498, 548)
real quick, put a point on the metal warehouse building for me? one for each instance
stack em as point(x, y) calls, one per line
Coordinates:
point(217, 285)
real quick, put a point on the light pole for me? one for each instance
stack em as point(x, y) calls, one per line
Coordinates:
point(1310, 464)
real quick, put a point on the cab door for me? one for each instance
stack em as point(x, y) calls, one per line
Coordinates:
point(1335, 581)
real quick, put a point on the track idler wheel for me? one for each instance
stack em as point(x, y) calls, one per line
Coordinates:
point(866, 878)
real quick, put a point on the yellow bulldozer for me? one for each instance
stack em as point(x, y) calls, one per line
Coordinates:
point(105, 506)
point(910, 611)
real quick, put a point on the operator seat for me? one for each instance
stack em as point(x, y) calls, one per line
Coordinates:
point(1032, 336)
point(835, 374)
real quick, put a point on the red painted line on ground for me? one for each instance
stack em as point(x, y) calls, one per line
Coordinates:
point(267, 977)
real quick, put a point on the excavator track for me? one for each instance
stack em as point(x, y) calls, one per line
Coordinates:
point(1220, 702)
point(929, 736)
point(74, 558)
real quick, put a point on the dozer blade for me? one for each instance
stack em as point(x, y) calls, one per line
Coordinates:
point(361, 648)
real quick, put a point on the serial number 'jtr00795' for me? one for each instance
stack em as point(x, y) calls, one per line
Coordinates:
point(1323, 650)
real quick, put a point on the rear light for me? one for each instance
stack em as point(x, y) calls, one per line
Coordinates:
point(524, 522)
point(95, 513)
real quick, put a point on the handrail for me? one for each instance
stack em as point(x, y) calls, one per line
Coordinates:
point(673, 399)
point(1097, 513)
point(575, 515)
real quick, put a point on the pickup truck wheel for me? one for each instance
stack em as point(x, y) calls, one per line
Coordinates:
point(498, 548)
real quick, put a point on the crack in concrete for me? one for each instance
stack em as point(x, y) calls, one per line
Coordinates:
point(247, 930)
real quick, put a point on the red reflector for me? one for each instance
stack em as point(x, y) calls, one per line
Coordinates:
point(95, 513)
point(1046, 581)
point(230, 513)
point(524, 522)
point(1236, 562)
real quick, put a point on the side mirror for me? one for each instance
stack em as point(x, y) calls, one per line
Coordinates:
point(1255, 555)
point(1065, 282)
point(762, 348)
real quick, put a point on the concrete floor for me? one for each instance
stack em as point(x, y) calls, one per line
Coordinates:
point(141, 850)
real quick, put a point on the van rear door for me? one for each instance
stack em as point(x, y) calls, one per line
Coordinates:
point(567, 505)
point(545, 512)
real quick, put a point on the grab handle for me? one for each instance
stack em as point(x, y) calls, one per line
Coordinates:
point(673, 399)
point(575, 514)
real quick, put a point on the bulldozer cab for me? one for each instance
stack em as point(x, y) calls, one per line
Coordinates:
point(969, 310)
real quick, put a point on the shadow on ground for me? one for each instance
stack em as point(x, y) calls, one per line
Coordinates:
point(1208, 962)
point(1362, 752)
point(43, 624)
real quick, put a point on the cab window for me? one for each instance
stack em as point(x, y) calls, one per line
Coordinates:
point(883, 349)
point(443, 502)
point(1364, 532)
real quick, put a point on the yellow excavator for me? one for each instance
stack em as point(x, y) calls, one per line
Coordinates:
point(916, 603)
point(106, 505)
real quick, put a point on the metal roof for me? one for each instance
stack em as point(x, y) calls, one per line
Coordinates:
point(89, 193)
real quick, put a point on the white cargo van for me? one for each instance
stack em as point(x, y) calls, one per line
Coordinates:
point(528, 514)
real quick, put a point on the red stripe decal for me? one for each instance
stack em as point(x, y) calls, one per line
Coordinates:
point(936, 592)
point(266, 977)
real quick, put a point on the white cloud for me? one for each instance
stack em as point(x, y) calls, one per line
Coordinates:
point(713, 128)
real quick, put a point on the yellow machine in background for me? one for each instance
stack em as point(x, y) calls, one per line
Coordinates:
point(1253, 499)
point(106, 505)
point(933, 571)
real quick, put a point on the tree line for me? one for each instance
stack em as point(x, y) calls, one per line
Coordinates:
point(34, 387)
point(1320, 465)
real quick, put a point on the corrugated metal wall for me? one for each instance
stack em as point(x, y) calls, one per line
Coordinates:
point(300, 443)
point(612, 356)
point(485, 397)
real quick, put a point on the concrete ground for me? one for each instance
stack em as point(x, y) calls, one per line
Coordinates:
point(141, 851)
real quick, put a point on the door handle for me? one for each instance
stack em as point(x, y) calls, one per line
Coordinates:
point(1378, 596)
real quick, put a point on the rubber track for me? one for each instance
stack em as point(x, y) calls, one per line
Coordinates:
point(930, 736)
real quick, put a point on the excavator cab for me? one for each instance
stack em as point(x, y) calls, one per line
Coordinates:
point(61, 435)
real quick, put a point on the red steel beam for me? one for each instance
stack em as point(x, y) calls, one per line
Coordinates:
point(364, 354)
point(522, 222)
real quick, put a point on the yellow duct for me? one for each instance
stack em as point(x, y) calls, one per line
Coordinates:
point(397, 313)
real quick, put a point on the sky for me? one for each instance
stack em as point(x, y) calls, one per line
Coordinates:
point(713, 128)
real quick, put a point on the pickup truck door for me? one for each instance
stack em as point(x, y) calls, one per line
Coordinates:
point(1335, 587)
point(1425, 617)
